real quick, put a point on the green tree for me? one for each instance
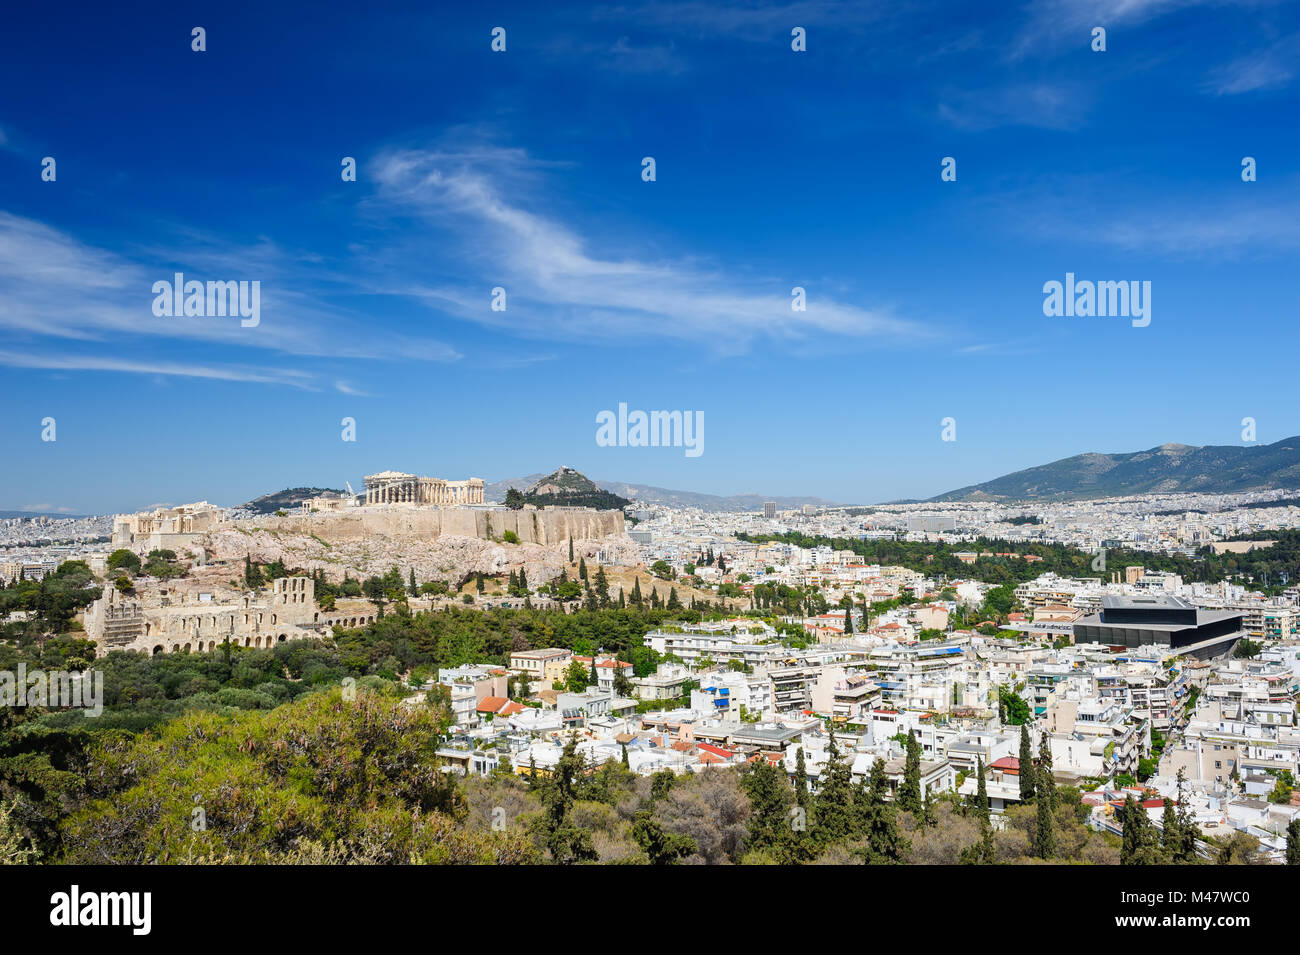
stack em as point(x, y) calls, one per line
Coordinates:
point(1045, 824)
point(885, 842)
point(1293, 841)
point(660, 846)
point(1139, 845)
point(835, 820)
point(909, 791)
point(575, 678)
point(801, 780)
point(1026, 768)
point(123, 559)
point(770, 800)
point(566, 841)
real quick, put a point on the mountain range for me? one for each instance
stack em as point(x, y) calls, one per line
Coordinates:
point(1169, 468)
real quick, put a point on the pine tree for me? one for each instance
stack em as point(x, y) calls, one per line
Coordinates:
point(1026, 768)
point(673, 602)
point(602, 587)
point(885, 843)
point(566, 841)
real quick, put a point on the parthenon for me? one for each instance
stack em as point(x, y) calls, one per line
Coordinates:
point(395, 487)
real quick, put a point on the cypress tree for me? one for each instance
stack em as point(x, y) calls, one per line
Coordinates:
point(909, 791)
point(1139, 846)
point(415, 591)
point(848, 620)
point(1026, 767)
point(582, 568)
point(1045, 827)
point(981, 792)
point(570, 549)
point(834, 805)
point(1185, 846)
point(769, 800)
point(800, 780)
point(1047, 780)
point(1169, 834)
point(1293, 842)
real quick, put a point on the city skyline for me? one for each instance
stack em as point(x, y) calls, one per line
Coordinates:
point(523, 170)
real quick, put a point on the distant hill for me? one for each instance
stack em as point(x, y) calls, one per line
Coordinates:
point(565, 487)
point(288, 499)
point(1169, 468)
point(648, 494)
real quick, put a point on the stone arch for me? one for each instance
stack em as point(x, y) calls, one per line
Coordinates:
point(158, 649)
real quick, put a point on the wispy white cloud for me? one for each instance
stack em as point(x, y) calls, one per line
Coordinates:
point(1041, 105)
point(1052, 24)
point(747, 19)
point(558, 287)
point(57, 288)
point(1269, 69)
point(81, 362)
point(1176, 227)
point(346, 388)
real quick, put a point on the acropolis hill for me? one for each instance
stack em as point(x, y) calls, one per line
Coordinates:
point(547, 527)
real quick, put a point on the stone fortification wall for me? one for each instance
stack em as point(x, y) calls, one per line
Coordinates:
point(547, 527)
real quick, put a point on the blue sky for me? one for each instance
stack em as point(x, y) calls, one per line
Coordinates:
point(522, 169)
